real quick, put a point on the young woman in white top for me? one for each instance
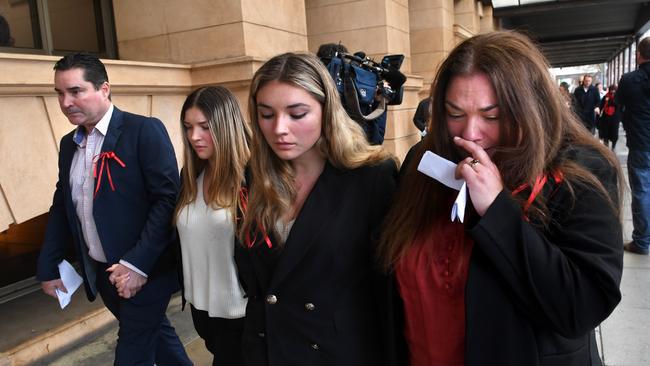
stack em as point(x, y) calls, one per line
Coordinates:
point(215, 156)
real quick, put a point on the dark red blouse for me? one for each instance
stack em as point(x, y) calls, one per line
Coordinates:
point(431, 280)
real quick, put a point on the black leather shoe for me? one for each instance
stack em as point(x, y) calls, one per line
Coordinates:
point(633, 248)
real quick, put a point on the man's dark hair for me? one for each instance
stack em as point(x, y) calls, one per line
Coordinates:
point(644, 48)
point(327, 50)
point(94, 70)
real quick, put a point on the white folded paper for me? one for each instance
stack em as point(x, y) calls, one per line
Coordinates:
point(444, 171)
point(71, 280)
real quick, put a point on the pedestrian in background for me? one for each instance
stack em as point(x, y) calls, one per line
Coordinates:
point(587, 98)
point(609, 118)
point(566, 95)
point(601, 90)
point(421, 117)
point(633, 95)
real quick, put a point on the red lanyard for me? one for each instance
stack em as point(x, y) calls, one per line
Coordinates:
point(103, 156)
point(243, 196)
point(540, 181)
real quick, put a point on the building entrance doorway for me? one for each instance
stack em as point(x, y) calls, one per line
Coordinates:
point(19, 248)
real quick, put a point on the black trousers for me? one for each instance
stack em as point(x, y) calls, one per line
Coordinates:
point(222, 337)
point(145, 335)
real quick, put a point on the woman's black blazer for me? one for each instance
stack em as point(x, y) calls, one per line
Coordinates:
point(317, 301)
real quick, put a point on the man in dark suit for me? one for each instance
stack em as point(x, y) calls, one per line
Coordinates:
point(587, 100)
point(633, 95)
point(114, 199)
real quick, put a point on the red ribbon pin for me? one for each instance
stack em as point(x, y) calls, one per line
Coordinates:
point(243, 196)
point(103, 156)
point(537, 188)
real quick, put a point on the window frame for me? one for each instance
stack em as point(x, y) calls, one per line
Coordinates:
point(42, 31)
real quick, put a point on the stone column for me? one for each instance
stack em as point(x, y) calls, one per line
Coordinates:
point(487, 22)
point(225, 41)
point(466, 16)
point(196, 31)
point(432, 37)
point(376, 27)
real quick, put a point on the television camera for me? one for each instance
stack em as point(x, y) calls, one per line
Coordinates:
point(359, 79)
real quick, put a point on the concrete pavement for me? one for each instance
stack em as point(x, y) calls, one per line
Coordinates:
point(625, 335)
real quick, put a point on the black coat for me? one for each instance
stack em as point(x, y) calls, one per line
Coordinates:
point(316, 301)
point(608, 125)
point(421, 117)
point(585, 103)
point(533, 296)
point(633, 95)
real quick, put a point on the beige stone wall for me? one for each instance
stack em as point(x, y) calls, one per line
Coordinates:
point(439, 25)
point(29, 158)
point(196, 31)
point(31, 123)
point(180, 31)
point(466, 14)
point(488, 23)
point(272, 27)
point(432, 37)
point(178, 45)
point(376, 27)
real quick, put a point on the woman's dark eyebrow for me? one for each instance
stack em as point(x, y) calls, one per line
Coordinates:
point(484, 109)
point(490, 107)
point(296, 105)
point(452, 105)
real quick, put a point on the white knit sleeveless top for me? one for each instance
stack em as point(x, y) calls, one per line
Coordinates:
point(207, 244)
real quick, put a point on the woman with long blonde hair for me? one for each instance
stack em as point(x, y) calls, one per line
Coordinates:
point(536, 264)
point(215, 151)
point(318, 193)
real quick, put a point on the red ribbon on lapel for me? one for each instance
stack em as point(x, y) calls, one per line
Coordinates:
point(540, 181)
point(103, 156)
point(243, 196)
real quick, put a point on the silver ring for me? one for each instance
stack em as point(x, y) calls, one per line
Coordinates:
point(473, 163)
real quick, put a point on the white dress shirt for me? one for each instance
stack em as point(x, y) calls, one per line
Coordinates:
point(82, 184)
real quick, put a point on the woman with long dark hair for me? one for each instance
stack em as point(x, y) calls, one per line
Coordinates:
point(537, 262)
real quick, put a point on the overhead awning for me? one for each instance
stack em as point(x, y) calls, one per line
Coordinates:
point(576, 32)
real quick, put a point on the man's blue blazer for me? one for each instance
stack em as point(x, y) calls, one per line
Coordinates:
point(134, 220)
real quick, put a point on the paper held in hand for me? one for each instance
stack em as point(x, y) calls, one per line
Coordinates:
point(71, 280)
point(443, 171)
